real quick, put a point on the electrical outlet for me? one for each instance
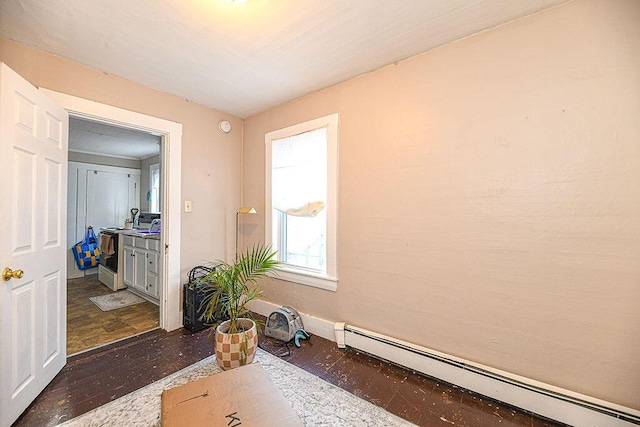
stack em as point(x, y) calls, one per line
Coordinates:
point(187, 206)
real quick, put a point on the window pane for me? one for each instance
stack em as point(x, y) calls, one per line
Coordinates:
point(299, 170)
point(299, 178)
point(154, 198)
point(306, 241)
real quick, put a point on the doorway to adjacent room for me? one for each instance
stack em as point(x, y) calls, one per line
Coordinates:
point(169, 176)
point(113, 181)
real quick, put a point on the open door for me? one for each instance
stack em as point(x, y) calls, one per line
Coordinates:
point(33, 191)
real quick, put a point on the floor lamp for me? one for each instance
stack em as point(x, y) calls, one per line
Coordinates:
point(244, 210)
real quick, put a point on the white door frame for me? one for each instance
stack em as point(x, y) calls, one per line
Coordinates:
point(171, 133)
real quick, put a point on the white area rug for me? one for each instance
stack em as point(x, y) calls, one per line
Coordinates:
point(316, 402)
point(116, 300)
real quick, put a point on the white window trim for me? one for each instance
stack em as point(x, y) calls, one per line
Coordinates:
point(290, 273)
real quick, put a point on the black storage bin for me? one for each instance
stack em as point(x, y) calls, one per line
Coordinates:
point(193, 295)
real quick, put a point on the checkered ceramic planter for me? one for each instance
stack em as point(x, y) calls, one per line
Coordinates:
point(235, 350)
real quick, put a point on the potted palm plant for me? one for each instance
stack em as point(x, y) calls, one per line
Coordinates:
point(228, 289)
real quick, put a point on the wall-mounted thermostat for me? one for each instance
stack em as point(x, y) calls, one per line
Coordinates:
point(224, 126)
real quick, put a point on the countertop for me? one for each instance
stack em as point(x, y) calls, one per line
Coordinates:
point(136, 232)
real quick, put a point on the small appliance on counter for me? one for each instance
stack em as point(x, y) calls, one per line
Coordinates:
point(134, 212)
point(146, 218)
point(156, 226)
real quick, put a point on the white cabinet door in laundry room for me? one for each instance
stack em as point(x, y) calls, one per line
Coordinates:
point(33, 190)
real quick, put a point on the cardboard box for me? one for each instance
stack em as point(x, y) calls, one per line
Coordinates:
point(240, 397)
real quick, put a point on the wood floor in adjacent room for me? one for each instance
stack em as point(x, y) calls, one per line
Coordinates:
point(89, 327)
point(99, 376)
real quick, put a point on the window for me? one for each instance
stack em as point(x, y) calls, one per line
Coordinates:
point(153, 197)
point(301, 188)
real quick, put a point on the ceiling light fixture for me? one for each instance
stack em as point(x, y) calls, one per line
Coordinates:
point(237, 1)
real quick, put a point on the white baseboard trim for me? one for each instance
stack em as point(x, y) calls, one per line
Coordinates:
point(543, 399)
point(539, 398)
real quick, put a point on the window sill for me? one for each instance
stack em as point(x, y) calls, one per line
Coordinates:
point(307, 278)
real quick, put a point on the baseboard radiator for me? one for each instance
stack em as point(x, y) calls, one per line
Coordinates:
point(539, 398)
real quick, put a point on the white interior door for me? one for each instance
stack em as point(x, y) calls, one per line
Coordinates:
point(98, 196)
point(110, 197)
point(33, 190)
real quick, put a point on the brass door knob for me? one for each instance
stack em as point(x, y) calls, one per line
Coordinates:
point(8, 274)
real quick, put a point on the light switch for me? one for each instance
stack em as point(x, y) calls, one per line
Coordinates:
point(187, 206)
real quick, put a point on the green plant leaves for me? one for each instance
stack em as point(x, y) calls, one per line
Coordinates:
point(229, 287)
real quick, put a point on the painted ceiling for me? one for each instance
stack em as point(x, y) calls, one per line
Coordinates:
point(246, 58)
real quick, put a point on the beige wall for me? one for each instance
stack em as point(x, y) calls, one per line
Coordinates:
point(489, 202)
point(210, 159)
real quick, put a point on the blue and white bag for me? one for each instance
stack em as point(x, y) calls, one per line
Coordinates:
point(86, 252)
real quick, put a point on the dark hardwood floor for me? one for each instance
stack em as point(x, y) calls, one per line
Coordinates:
point(99, 376)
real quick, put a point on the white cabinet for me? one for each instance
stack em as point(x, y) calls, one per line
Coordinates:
point(152, 274)
point(141, 269)
point(128, 265)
